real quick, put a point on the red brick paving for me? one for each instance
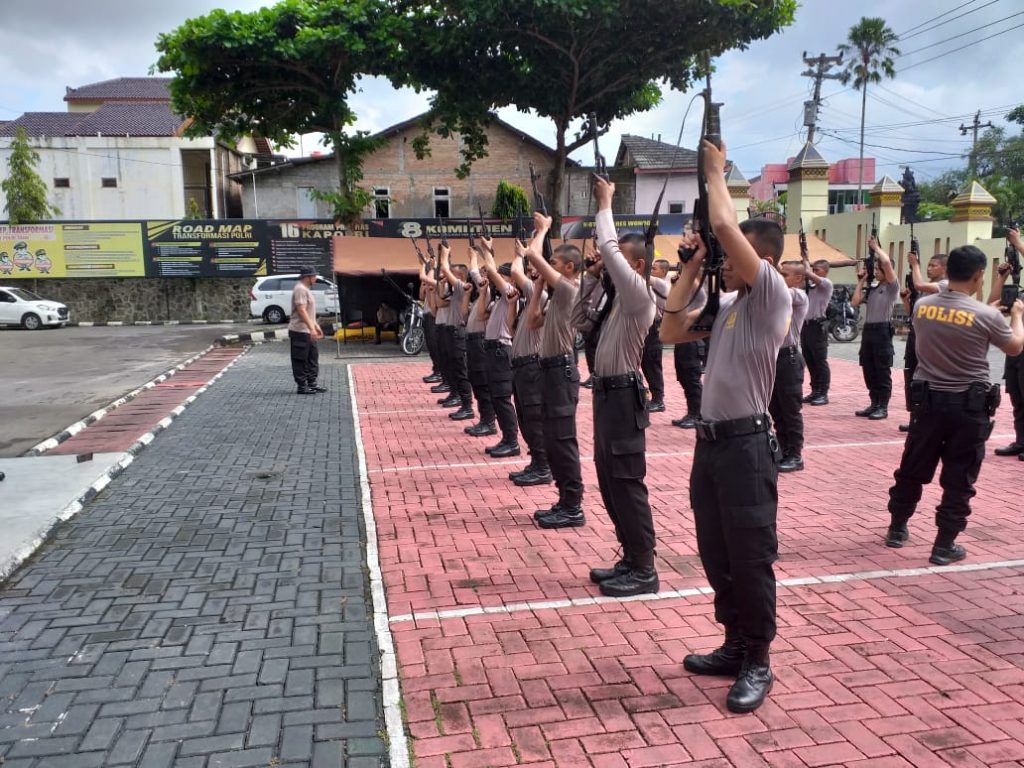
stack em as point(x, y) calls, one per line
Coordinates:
point(922, 670)
point(123, 426)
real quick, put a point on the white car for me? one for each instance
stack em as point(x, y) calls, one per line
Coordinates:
point(271, 297)
point(19, 306)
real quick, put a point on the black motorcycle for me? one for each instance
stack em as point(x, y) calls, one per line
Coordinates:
point(843, 318)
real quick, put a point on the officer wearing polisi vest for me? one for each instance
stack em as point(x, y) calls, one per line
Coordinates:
point(476, 358)
point(953, 401)
point(876, 351)
point(936, 282)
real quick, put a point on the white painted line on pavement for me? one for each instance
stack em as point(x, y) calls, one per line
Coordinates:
point(801, 581)
point(399, 750)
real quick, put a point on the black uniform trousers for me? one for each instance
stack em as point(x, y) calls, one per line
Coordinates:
point(786, 405)
point(453, 342)
point(561, 394)
point(814, 343)
point(620, 457)
point(909, 365)
point(498, 357)
point(476, 365)
point(305, 358)
point(590, 347)
point(1014, 375)
point(941, 427)
point(526, 391)
point(443, 340)
point(652, 362)
point(430, 339)
point(876, 356)
point(734, 495)
point(689, 360)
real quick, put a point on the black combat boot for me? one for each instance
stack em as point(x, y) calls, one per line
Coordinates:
point(754, 682)
point(640, 579)
point(481, 429)
point(465, 413)
point(819, 399)
point(598, 575)
point(432, 378)
point(536, 476)
point(561, 516)
point(504, 449)
point(442, 387)
point(881, 412)
point(450, 402)
point(897, 535)
point(689, 421)
point(725, 661)
point(865, 412)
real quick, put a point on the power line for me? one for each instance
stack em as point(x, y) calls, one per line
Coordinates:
point(935, 18)
point(906, 98)
point(947, 21)
point(962, 34)
point(968, 45)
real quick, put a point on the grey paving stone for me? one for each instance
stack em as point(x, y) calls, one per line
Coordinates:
point(188, 617)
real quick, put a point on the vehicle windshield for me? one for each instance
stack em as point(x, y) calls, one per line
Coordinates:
point(24, 295)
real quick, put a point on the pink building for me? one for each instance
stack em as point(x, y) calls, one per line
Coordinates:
point(842, 179)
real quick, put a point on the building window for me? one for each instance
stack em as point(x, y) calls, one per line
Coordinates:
point(677, 207)
point(62, 183)
point(381, 203)
point(107, 181)
point(442, 202)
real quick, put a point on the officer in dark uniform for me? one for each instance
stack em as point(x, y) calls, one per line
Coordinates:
point(689, 362)
point(1013, 371)
point(786, 404)
point(876, 351)
point(430, 333)
point(476, 358)
point(734, 478)
point(441, 296)
point(619, 403)
point(936, 282)
point(953, 401)
point(498, 351)
point(561, 379)
point(814, 334)
point(458, 310)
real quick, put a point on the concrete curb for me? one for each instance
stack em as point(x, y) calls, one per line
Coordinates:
point(78, 504)
point(92, 418)
point(255, 337)
point(122, 323)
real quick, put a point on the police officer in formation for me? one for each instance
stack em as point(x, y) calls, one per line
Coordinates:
point(476, 358)
point(1013, 371)
point(530, 309)
point(652, 364)
point(876, 350)
point(953, 401)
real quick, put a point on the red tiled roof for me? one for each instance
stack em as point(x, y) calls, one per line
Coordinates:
point(123, 89)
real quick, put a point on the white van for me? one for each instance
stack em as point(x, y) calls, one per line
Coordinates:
point(271, 297)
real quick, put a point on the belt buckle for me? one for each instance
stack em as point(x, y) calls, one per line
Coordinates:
point(568, 371)
point(706, 430)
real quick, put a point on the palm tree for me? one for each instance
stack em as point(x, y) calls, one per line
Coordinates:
point(870, 46)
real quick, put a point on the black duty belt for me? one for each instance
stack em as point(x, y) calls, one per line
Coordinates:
point(490, 344)
point(475, 335)
point(877, 325)
point(711, 431)
point(622, 381)
point(791, 351)
point(557, 361)
point(520, 362)
point(817, 320)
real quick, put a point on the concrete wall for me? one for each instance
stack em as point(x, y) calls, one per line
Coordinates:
point(682, 188)
point(150, 299)
point(149, 173)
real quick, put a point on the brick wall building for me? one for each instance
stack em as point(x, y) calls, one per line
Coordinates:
point(403, 185)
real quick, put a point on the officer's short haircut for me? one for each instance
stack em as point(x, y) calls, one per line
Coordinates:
point(795, 265)
point(766, 236)
point(459, 266)
point(940, 258)
point(633, 246)
point(570, 254)
point(505, 270)
point(822, 264)
point(664, 263)
point(965, 262)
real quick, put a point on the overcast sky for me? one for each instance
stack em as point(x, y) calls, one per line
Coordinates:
point(46, 45)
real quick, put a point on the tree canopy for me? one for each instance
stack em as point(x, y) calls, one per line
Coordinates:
point(284, 70)
point(567, 59)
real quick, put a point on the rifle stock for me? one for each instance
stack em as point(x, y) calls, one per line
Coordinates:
point(915, 250)
point(1011, 293)
point(712, 269)
point(541, 206)
point(869, 261)
point(805, 257)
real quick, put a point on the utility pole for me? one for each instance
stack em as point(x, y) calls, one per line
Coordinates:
point(822, 64)
point(977, 124)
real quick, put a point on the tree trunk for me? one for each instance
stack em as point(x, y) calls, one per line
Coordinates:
point(860, 166)
point(558, 178)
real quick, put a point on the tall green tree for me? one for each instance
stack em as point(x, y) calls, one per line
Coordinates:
point(510, 201)
point(869, 50)
point(285, 70)
point(567, 59)
point(23, 187)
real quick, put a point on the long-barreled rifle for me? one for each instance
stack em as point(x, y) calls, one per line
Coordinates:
point(805, 256)
point(711, 275)
point(870, 260)
point(1011, 292)
point(915, 250)
point(541, 206)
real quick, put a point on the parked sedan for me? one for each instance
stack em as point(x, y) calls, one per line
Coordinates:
point(19, 306)
point(271, 297)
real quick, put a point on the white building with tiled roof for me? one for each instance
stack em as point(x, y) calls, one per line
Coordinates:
point(119, 152)
point(651, 161)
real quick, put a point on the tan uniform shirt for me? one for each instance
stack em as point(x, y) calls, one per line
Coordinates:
point(559, 335)
point(526, 341)
point(301, 297)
